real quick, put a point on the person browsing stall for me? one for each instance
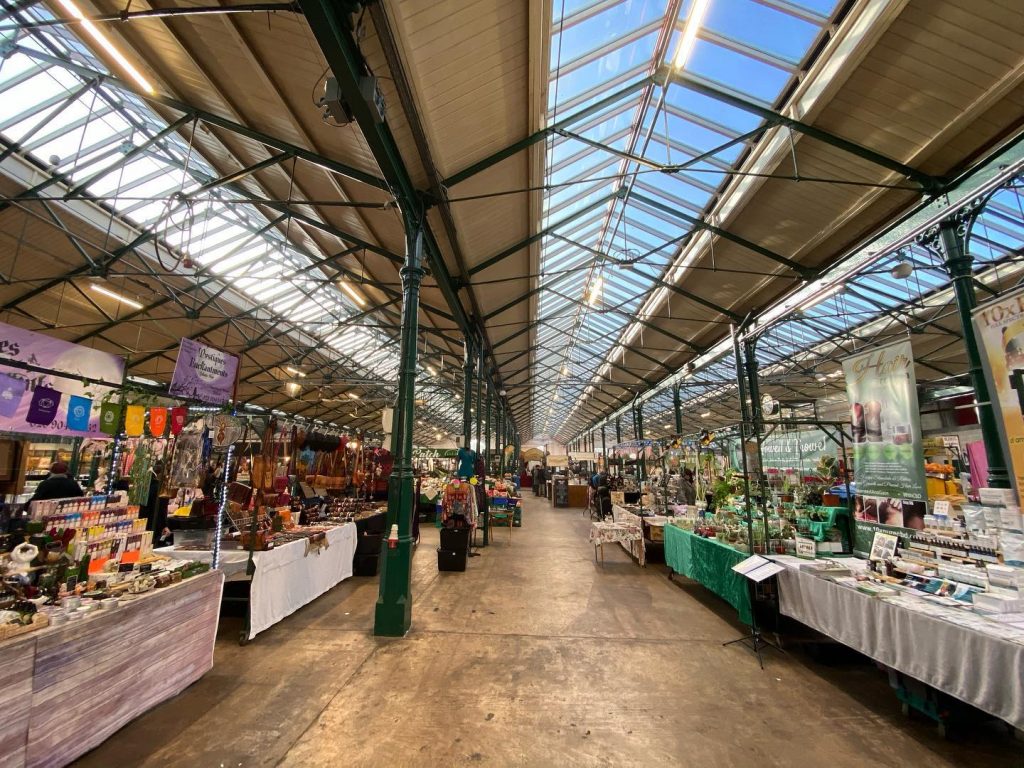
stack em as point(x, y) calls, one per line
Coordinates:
point(57, 484)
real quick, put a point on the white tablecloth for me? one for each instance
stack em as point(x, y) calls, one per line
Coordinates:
point(975, 666)
point(286, 577)
point(635, 547)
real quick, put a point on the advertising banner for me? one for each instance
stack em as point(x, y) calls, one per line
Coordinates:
point(39, 403)
point(796, 450)
point(204, 373)
point(999, 328)
point(886, 426)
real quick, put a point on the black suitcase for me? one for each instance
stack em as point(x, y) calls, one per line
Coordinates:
point(447, 560)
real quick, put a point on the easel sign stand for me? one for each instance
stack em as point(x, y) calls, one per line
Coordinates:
point(755, 569)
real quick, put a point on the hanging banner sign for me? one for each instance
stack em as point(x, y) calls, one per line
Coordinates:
point(157, 421)
point(999, 328)
point(203, 373)
point(435, 453)
point(886, 428)
point(79, 409)
point(796, 450)
point(178, 416)
point(110, 418)
point(134, 420)
point(69, 363)
point(43, 408)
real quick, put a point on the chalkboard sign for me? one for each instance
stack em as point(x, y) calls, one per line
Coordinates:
point(561, 492)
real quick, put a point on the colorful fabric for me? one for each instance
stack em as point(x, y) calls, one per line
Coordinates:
point(11, 391)
point(157, 421)
point(178, 416)
point(710, 563)
point(110, 418)
point(613, 533)
point(134, 420)
point(43, 409)
point(79, 410)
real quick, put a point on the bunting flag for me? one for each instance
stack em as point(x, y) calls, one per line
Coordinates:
point(79, 409)
point(110, 418)
point(134, 420)
point(178, 416)
point(11, 392)
point(157, 421)
point(43, 408)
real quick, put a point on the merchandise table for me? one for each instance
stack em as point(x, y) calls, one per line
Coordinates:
point(634, 546)
point(626, 534)
point(288, 576)
point(969, 657)
point(709, 562)
point(65, 689)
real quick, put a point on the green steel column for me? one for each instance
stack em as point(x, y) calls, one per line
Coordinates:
point(618, 440)
point(487, 434)
point(604, 450)
point(393, 614)
point(638, 421)
point(677, 405)
point(953, 241)
point(499, 440)
point(479, 406)
point(467, 394)
point(757, 423)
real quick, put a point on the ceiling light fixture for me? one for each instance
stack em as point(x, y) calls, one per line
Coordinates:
point(295, 372)
point(117, 296)
point(594, 294)
point(693, 21)
point(431, 371)
point(107, 46)
point(353, 294)
point(354, 395)
point(705, 415)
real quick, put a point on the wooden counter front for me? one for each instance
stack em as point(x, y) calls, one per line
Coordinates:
point(66, 689)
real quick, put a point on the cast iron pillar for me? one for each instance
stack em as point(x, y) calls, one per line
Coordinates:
point(467, 395)
point(487, 433)
point(479, 399)
point(677, 406)
point(393, 614)
point(499, 440)
point(604, 450)
point(950, 242)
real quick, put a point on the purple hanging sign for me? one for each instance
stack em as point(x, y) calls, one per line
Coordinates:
point(204, 373)
point(68, 363)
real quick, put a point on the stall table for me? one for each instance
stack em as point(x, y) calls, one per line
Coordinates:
point(287, 577)
point(710, 563)
point(67, 688)
point(626, 534)
point(968, 657)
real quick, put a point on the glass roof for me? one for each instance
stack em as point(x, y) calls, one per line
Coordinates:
point(604, 255)
point(110, 145)
point(801, 353)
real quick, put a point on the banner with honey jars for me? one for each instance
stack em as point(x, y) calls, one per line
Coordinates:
point(886, 426)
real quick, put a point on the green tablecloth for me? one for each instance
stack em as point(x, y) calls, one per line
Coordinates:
point(710, 563)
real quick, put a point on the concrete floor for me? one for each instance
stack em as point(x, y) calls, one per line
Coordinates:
point(535, 656)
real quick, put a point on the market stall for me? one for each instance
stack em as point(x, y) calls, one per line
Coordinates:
point(971, 657)
point(68, 687)
point(294, 572)
point(710, 563)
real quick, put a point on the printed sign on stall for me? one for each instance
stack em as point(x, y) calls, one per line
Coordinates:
point(999, 327)
point(204, 373)
point(59, 408)
point(887, 448)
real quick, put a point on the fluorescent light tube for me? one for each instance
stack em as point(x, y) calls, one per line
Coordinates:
point(117, 296)
point(689, 38)
point(107, 46)
point(352, 293)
